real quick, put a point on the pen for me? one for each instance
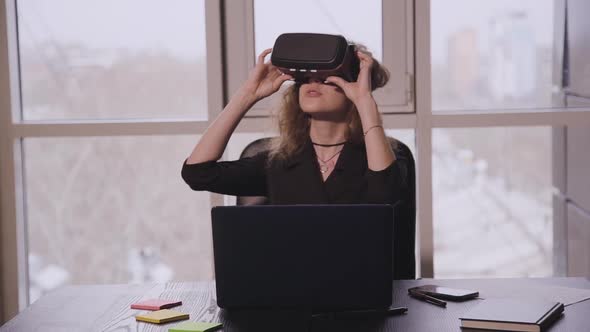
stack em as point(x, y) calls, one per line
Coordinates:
point(428, 298)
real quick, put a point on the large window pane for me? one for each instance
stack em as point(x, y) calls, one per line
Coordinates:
point(492, 202)
point(319, 16)
point(112, 59)
point(498, 56)
point(113, 210)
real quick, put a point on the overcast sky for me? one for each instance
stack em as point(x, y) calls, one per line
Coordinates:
point(177, 26)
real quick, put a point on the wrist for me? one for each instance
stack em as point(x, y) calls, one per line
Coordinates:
point(367, 130)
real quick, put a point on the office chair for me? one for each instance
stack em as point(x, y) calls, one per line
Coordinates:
point(404, 228)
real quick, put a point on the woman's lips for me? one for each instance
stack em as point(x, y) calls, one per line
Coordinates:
point(313, 93)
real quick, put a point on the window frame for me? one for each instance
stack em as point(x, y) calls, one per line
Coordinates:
point(230, 54)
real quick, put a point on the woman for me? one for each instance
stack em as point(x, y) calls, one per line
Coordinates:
point(332, 147)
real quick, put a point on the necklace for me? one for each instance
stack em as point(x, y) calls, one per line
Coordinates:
point(325, 164)
point(328, 145)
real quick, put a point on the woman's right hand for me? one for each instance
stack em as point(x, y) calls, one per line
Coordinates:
point(264, 79)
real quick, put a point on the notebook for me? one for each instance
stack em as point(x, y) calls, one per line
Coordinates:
point(512, 315)
point(303, 256)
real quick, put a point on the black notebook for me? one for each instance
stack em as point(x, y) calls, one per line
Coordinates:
point(512, 315)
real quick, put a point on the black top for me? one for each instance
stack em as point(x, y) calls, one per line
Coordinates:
point(299, 180)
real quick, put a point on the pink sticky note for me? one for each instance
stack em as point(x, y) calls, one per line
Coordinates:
point(155, 304)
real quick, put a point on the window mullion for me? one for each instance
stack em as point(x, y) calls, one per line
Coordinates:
point(424, 139)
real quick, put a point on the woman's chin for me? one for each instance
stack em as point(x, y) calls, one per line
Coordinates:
point(317, 108)
point(322, 114)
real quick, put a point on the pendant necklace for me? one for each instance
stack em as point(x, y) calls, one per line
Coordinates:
point(325, 164)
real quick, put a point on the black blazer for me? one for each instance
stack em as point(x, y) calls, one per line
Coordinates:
point(299, 181)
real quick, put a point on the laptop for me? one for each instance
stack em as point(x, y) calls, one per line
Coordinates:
point(318, 257)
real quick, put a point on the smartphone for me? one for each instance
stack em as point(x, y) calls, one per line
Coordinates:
point(446, 293)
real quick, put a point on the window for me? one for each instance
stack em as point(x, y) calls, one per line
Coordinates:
point(319, 16)
point(499, 56)
point(113, 210)
point(385, 27)
point(492, 185)
point(104, 115)
point(105, 119)
point(149, 61)
point(492, 202)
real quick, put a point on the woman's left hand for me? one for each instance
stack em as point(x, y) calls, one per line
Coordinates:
point(361, 89)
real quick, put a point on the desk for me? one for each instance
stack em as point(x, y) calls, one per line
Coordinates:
point(67, 309)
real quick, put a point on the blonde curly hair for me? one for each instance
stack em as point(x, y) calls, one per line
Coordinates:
point(294, 124)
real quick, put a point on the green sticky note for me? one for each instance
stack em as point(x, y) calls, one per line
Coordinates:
point(195, 327)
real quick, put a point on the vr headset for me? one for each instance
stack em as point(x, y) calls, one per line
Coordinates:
point(313, 55)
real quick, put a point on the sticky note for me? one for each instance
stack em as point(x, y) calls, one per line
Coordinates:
point(195, 327)
point(155, 304)
point(162, 316)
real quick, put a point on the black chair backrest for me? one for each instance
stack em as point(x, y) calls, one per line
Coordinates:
point(252, 149)
point(404, 228)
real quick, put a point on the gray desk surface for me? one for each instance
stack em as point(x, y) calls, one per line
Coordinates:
point(106, 308)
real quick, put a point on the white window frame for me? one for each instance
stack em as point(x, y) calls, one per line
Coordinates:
point(13, 247)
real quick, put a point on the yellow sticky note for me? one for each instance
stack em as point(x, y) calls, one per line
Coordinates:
point(162, 316)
